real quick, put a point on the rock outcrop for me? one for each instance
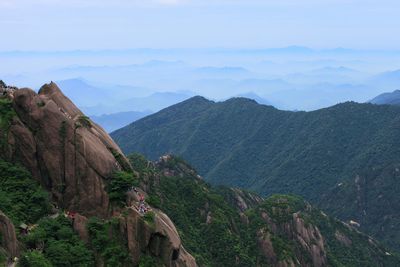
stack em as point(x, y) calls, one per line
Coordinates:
point(73, 158)
point(310, 238)
point(8, 237)
point(70, 155)
point(242, 200)
point(281, 220)
point(158, 238)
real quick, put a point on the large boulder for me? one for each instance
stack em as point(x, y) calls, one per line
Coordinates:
point(8, 237)
point(70, 155)
point(158, 238)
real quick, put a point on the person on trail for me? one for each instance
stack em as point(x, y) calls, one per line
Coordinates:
point(141, 198)
point(142, 208)
point(132, 188)
point(71, 215)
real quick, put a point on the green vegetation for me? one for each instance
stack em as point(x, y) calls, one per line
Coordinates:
point(3, 258)
point(211, 221)
point(21, 197)
point(281, 207)
point(34, 259)
point(317, 155)
point(211, 228)
point(105, 240)
point(53, 241)
point(41, 104)
point(120, 159)
point(185, 201)
point(149, 217)
point(59, 244)
point(148, 261)
point(119, 184)
point(360, 251)
point(139, 163)
point(6, 115)
point(154, 201)
point(85, 121)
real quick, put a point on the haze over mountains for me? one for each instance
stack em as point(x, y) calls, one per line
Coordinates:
point(345, 158)
point(291, 78)
point(112, 122)
point(200, 133)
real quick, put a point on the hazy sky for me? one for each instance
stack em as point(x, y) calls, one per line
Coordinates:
point(120, 24)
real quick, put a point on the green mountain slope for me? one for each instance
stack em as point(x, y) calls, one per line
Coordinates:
point(230, 227)
point(47, 221)
point(345, 159)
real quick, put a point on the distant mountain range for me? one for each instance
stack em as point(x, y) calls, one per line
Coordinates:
point(303, 85)
point(392, 98)
point(316, 78)
point(255, 97)
point(82, 93)
point(99, 100)
point(345, 158)
point(112, 122)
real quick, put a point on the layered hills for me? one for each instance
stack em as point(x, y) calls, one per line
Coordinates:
point(343, 159)
point(70, 197)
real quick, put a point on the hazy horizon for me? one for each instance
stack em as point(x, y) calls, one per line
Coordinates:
point(210, 48)
point(294, 55)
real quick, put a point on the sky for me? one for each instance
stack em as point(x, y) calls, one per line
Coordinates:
point(122, 24)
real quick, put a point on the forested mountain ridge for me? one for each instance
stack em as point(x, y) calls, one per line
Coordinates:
point(69, 197)
point(344, 159)
point(224, 226)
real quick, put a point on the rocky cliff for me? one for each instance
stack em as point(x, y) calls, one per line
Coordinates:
point(74, 159)
point(8, 236)
point(63, 149)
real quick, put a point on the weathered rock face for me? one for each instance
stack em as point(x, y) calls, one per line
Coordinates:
point(9, 239)
point(72, 158)
point(311, 239)
point(342, 238)
point(158, 238)
point(307, 235)
point(70, 155)
point(244, 200)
